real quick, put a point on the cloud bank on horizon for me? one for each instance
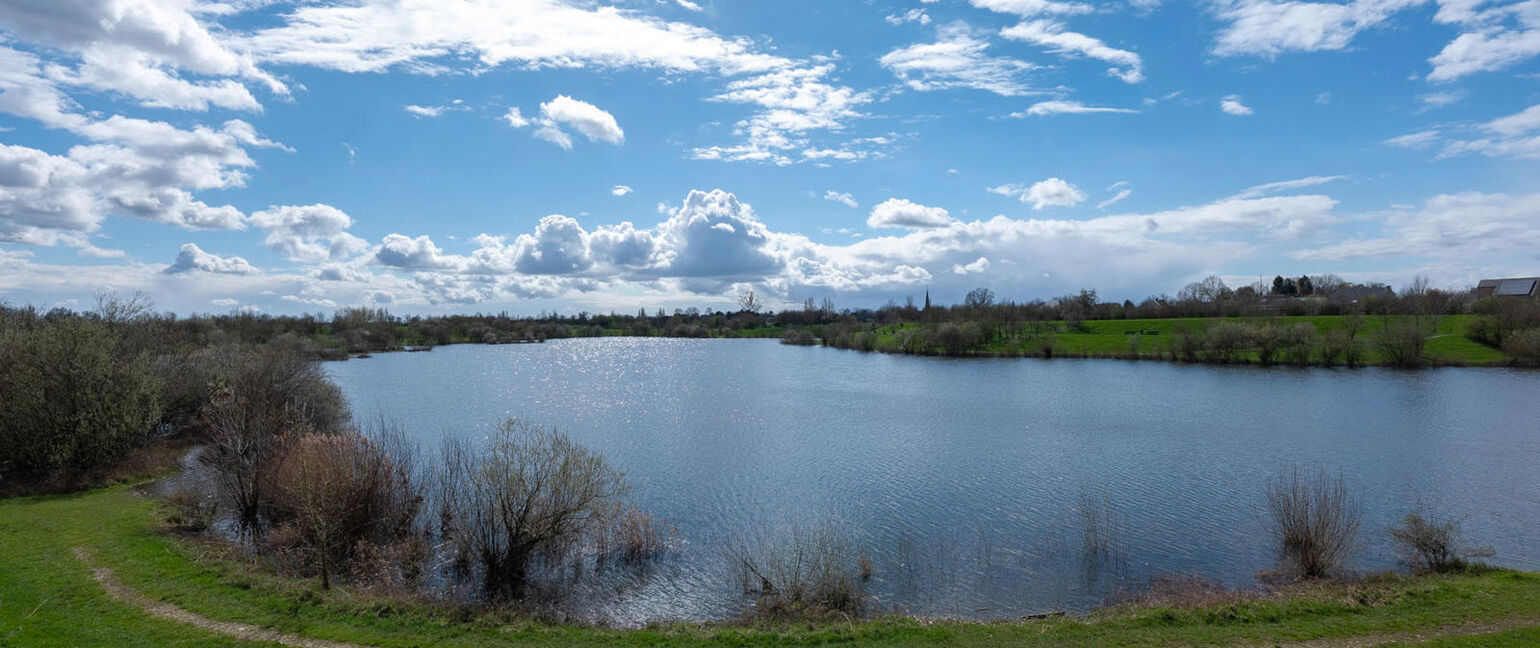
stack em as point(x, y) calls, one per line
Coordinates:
point(529, 155)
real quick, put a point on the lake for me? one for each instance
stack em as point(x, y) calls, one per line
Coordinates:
point(963, 480)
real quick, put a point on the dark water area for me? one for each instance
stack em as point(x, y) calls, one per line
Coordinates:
point(965, 480)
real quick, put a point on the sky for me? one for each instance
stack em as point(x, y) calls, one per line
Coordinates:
point(432, 156)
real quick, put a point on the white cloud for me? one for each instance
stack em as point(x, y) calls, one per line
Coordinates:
point(793, 102)
point(1052, 35)
point(841, 197)
point(1029, 8)
point(1121, 187)
point(586, 118)
point(957, 59)
point(1513, 136)
point(559, 115)
point(1492, 37)
point(1440, 99)
point(1287, 185)
point(913, 15)
point(1056, 107)
point(457, 105)
point(978, 266)
point(398, 251)
point(1466, 229)
point(1417, 140)
point(1053, 192)
point(193, 259)
point(1232, 105)
point(900, 212)
point(619, 190)
point(309, 233)
point(1272, 27)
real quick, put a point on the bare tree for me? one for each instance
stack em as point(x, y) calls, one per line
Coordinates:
point(262, 396)
point(1315, 522)
point(749, 301)
point(531, 492)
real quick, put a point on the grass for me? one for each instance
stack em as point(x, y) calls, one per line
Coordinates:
point(1110, 338)
point(47, 598)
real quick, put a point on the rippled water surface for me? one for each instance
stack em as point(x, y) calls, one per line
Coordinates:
point(963, 479)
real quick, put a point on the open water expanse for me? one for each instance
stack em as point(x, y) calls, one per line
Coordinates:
point(964, 480)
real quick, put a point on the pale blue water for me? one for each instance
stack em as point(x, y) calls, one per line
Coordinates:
point(961, 478)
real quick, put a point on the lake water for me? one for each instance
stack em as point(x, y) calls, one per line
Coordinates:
point(963, 479)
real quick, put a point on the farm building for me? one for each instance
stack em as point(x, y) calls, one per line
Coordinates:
point(1516, 287)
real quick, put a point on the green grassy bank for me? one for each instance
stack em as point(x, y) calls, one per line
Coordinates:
point(1156, 339)
point(48, 598)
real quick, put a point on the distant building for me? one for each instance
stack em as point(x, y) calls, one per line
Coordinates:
point(1515, 287)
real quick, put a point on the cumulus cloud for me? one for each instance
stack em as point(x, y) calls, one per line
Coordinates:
point(193, 259)
point(619, 190)
point(978, 266)
point(398, 251)
point(1053, 192)
point(900, 212)
point(559, 116)
point(309, 233)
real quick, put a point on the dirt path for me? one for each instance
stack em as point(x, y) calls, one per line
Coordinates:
point(161, 610)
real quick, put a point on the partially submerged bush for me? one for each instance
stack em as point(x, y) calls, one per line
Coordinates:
point(531, 493)
point(1433, 545)
point(634, 537)
point(813, 574)
point(337, 492)
point(1315, 523)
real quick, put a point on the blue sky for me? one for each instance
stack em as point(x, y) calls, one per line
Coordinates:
point(463, 155)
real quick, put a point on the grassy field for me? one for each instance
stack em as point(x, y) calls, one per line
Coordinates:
point(1447, 345)
point(48, 598)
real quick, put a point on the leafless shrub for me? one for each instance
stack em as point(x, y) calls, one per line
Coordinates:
point(1433, 545)
point(1100, 529)
point(813, 574)
point(1315, 522)
point(337, 492)
point(530, 493)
